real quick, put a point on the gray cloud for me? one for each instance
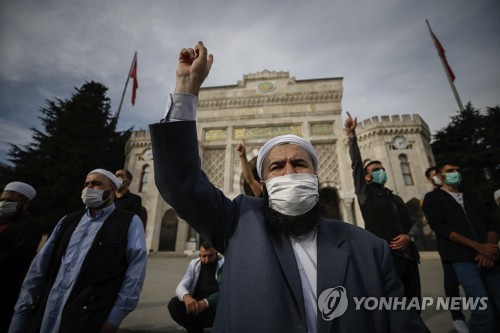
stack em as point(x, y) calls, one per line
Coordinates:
point(382, 49)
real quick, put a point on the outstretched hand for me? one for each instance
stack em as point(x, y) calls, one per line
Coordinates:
point(350, 125)
point(194, 66)
point(241, 150)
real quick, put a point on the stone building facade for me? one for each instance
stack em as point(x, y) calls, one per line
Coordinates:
point(267, 104)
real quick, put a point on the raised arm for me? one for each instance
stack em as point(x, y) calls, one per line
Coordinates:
point(247, 171)
point(178, 175)
point(358, 173)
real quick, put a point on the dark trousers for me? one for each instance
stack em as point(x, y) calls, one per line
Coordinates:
point(407, 271)
point(451, 288)
point(5, 318)
point(7, 303)
point(192, 323)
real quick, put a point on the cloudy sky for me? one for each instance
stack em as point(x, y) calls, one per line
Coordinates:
point(381, 48)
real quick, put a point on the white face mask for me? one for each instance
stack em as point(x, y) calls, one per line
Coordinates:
point(436, 180)
point(8, 208)
point(293, 194)
point(93, 198)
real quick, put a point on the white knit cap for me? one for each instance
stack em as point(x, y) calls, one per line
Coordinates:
point(496, 194)
point(111, 176)
point(282, 140)
point(27, 190)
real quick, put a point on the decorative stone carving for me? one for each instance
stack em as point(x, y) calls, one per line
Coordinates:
point(328, 167)
point(213, 165)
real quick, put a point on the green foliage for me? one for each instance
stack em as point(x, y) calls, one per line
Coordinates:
point(79, 135)
point(472, 140)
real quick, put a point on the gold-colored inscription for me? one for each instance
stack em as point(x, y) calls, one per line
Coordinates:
point(215, 135)
point(266, 132)
point(322, 129)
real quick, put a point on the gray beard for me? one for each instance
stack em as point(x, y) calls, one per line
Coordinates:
point(293, 225)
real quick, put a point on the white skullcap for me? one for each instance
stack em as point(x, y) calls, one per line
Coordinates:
point(496, 194)
point(111, 176)
point(27, 190)
point(282, 140)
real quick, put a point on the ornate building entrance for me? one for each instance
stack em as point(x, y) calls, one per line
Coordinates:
point(264, 105)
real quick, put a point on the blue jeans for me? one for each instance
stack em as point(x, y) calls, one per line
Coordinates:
point(451, 288)
point(480, 282)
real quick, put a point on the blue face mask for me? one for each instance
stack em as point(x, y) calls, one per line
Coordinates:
point(453, 178)
point(379, 176)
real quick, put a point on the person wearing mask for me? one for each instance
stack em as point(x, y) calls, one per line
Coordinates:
point(467, 238)
point(195, 302)
point(124, 198)
point(451, 284)
point(20, 235)
point(385, 214)
point(90, 272)
point(286, 269)
point(432, 179)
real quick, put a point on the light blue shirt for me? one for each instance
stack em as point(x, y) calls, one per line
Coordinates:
point(71, 263)
point(306, 254)
point(183, 107)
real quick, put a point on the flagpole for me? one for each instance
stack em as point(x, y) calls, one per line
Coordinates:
point(441, 56)
point(115, 120)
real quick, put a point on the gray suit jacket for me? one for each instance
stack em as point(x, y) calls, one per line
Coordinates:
point(261, 290)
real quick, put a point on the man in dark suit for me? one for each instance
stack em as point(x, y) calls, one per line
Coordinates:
point(287, 269)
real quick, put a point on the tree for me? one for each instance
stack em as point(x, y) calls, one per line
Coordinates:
point(472, 140)
point(79, 135)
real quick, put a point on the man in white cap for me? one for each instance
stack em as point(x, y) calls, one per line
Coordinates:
point(496, 196)
point(20, 234)
point(90, 273)
point(287, 268)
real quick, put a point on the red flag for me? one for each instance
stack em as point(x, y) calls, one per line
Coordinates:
point(441, 52)
point(133, 75)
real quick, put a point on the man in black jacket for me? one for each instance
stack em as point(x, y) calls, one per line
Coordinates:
point(124, 198)
point(468, 239)
point(20, 235)
point(451, 284)
point(385, 214)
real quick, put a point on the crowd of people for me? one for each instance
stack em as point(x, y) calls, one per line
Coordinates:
point(269, 261)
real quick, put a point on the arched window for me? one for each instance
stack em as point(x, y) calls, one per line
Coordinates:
point(405, 169)
point(144, 178)
point(168, 231)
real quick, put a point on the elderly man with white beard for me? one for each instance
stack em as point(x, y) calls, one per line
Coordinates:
point(287, 269)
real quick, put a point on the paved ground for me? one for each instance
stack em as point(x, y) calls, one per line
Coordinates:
point(163, 274)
